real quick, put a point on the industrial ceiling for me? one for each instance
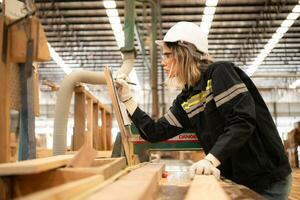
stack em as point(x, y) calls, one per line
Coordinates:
point(80, 32)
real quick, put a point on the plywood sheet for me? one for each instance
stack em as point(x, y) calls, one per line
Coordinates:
point(116, 107)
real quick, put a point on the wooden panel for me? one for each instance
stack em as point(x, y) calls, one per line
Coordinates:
point(14, 86)
point(108, 131)
point(79, 120)
point(116, 106)
point(26, 184)
point(103, 130)
point(34, 166)
point(67, 191)
point(42, 53)
point(105, 167)
point(19, 43)
point(141, 183)
point(89, 122)
point(84, 157)
point(4, 102)
point(95, 126)
point(206, 188)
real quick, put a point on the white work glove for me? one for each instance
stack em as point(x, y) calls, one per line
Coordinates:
point(123, 87)
point(205, 167)
point(125, 93)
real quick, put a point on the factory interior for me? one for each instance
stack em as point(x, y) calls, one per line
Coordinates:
point(66, 133)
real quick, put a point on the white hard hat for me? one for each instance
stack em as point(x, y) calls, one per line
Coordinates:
point(187, 32)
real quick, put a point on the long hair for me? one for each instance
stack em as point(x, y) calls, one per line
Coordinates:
point(189, 62)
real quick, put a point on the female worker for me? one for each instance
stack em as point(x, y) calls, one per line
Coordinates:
point(224, 108)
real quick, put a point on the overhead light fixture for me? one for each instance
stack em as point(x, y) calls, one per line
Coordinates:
point(284, 27)
point(211, 2)
point(209, 10)
point(208, 15)
point(59, 61)
point(293, 16)
point(109, 4)
point(112, 12)
point(115, 21)
point(287, 23)
point(296, 9)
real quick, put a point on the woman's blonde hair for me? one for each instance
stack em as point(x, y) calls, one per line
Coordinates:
point(189, 62)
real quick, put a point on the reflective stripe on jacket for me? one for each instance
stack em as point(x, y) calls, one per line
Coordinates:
point(231, 121)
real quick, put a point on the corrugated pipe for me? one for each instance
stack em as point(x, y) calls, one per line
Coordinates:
point(68, 84)
point(63, 105)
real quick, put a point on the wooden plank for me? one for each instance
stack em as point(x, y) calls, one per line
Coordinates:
point(95, 126)
point(34, 166)
point(108, 131)
point(100, 154)
point(19, 33)
point(105, 167)
point(26, 184)
point(67, 191)
point(84, 157)
point(79, 120)
point(206, 187)
point(4, 102)
point(116, 106)
point(103, 130)
point(42, 52)
point(89, 122)
point(139, 184)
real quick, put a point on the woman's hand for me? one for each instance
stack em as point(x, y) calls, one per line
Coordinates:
point(123, 87)
point(205, 167)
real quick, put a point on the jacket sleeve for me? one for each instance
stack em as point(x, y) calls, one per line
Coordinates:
point(174, 122)
point(236, 105)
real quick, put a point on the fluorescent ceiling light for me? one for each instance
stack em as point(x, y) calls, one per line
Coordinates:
point(59, 61)
point(296, 9)
point(277, 35)
point(293, 16)
point(282, 30)
point(116, 27)
point(207, 18)
point(109, 4)
point(114, 20)
point(112, 12)
point(209, 10)
point(287, 23)
point(211, 2)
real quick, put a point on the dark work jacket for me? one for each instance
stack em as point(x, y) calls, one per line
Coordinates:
point(231, 121)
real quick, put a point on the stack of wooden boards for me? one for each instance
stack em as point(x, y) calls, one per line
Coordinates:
point(48, 178)
point(104, 178)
